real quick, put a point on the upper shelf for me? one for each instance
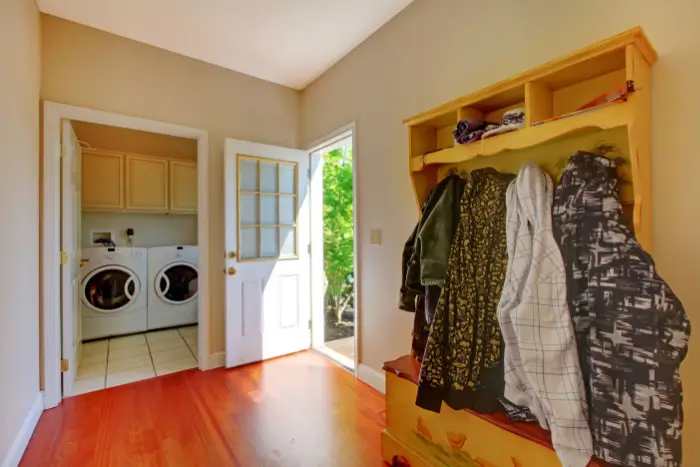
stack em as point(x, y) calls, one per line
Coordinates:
point(602, 118)
point(598, 59)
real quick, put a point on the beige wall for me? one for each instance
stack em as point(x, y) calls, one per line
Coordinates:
point(437, 50)
point(20, 75)
point(137, 142)
point(85, 67)
point(149, 229)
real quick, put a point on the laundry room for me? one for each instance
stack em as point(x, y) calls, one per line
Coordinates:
point(134, 223)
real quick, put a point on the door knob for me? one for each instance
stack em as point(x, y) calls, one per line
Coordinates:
point(231, 271)
point(231, 254)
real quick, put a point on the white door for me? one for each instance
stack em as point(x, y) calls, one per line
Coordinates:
point(267, 251)
point(70, 246)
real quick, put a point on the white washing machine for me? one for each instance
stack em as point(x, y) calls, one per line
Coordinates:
point(114, 299)
point(173, 286)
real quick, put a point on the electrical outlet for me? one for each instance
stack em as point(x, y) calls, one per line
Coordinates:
point(375, 237)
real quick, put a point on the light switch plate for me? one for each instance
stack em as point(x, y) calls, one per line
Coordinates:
point(375, 237)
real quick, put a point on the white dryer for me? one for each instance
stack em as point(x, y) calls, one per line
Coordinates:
point(173, 286)
point(114, 299)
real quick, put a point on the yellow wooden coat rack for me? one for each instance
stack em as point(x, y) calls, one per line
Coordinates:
point(558, 88)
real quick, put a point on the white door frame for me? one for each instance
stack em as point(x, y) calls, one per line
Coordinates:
point(54, 113)
point(340, 134)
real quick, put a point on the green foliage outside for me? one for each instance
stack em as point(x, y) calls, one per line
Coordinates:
point(338, 230)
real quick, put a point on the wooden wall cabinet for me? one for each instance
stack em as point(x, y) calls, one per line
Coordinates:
point(183, 186)
point(131, 182)
point(146, 183)
point(102, 180)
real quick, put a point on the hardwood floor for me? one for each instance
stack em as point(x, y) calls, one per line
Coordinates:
point(300, 410)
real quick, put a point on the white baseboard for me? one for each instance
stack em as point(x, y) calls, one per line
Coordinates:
point(216, 360)
point(21, 441)
point(368, 375)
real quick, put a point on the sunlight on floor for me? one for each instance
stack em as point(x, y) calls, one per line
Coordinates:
point(345, 346)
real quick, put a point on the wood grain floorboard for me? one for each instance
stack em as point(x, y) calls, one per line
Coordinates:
point(300, 410)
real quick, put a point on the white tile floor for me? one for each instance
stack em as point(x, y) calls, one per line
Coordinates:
point(123, 360)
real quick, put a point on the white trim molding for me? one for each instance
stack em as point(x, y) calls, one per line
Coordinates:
point(19, 445)
point(54, 113)
point(216, 360)
point(372, 377)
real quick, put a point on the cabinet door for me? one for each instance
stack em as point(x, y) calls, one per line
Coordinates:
point(146, 183)
point(183, 186)
point(103, 181)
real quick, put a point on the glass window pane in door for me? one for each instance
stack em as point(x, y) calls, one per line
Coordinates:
point(269, 243)
point(288, 209)
point(288, 242)
point(249, 242)
point(248, 175)
point(268, 212)
point(268, 177)
point(249, 209)
point(287, 179)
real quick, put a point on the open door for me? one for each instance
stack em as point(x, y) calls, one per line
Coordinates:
point(70, 254)
point(267, 252)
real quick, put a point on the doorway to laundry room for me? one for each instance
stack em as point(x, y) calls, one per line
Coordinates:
point(129, 243)
point(333, 247)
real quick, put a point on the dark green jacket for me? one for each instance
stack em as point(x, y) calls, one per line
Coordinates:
point(424, 260)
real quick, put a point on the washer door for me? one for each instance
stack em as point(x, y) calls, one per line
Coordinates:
point(110, 289)
point(177, 283)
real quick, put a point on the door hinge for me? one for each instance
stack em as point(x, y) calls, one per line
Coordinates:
point(308, 248)
point(309, 324)
point(64, 365)
point(64, 257)
point(308, 171)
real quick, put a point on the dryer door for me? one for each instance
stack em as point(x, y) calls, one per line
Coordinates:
point(177, 283)
point(110, 289)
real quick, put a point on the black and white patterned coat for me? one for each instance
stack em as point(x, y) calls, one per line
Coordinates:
point(632, 330)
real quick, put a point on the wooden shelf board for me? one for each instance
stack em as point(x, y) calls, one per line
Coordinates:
point(599, 55)
point(603, 118)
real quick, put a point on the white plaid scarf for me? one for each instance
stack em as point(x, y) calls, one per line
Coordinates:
point(542, 369)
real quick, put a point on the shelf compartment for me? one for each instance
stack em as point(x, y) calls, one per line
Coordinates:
point(603, 118)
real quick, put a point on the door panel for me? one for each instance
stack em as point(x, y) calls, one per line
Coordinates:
point(183, 186)
point(268, 284)
point(289, 303)
point(103, 180)
point(70, 245)
point(146, 183)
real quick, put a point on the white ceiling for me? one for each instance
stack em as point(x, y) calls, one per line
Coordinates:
point(289, 42)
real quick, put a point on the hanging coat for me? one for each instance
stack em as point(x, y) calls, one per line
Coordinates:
point(540, 358)
point(424, 260)
point(631, 328)
point(463, 364)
